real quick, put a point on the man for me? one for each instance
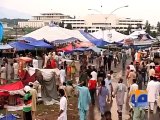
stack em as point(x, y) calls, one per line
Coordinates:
point(15, 66)
point(3, 74)
point(133, 87)
point(151, 71)
point(62, 75)
point(83, 101)
point(94, 74)
point(105, 59)
point(124, 58)
point(63, 106)
point(131, 66)
point(153, 92)
point(34, 100)
point(108, 84)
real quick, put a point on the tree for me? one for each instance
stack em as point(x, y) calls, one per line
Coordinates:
point(129, 29)
point(158, 26)
point(148, 29)
point(139, 26)
point(61, 24)
point(86, 29)
point(154, 34)
point(69, 26)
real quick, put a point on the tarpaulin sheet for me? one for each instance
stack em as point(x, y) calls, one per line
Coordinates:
point(12, 86)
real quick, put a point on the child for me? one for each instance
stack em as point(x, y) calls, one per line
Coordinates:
point(63, 106)
point(27, 101)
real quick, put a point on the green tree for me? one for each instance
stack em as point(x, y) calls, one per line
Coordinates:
point(86, 29)
point(129, 30)
point(154, 34)
point(139, 26)
point(69, 26)
point(158, 26)
point(148, 29)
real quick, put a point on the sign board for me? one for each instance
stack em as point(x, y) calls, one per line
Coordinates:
point(139, 98)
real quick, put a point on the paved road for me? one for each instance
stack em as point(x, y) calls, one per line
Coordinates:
point(94, 113)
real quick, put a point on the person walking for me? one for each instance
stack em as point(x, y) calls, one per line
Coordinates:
point(63, 106)
point(131, 76)
point(83, 100)
point(108, 84)
point(62, 75)
point(92, 84)
point(153, 92)
point(124, 59)
point(119, 93)
point(102, 94)
point(3, 74)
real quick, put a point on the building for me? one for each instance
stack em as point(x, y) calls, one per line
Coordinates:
point(94, 22)
point(91, 23)
point(43, 19)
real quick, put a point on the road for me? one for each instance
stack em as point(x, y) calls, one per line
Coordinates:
point(94, 113)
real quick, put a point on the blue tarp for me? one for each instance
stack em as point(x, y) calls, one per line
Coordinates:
point(95, 41)
point(41, 44)
point(19, 46)
point(5, 47)
point(1, 31)
point(9, 117)
point(27, 39)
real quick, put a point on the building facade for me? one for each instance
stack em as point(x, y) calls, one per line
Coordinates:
point(91, 23)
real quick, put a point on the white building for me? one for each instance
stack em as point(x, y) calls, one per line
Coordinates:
point(92, 22)
point(43, 19)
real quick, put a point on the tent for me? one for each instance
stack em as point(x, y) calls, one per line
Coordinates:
point(41, 44)
point(5, 47)
point(109, 36)
point(84, 44)
point(140, 33)
point(19, 46)
point(52, 33)
point(27, 39)
point(72, 39)
point(12, 86)
point(67, 48)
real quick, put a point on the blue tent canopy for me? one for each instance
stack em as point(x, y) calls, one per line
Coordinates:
point(5, 47)
point(95, 41)
point(28, 39)
point(21, 46)
point(40, 43)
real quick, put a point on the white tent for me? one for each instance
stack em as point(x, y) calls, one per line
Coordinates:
point(109, 35)
point(135, 34)
point(5, 47)
point(52, 33)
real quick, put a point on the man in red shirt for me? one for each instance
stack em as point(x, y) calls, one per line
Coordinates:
point(92, 83)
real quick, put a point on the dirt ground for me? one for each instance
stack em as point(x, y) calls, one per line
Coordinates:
point(51, 112)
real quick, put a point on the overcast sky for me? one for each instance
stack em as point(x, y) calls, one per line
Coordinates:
point(142, 9)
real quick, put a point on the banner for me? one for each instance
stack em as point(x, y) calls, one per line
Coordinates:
point(1, 31)
point(139, 98)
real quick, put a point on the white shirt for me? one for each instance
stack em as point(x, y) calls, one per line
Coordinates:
point(94, 75)
point(15, 66)
point(63, 106)
point(35, 63)
point(62, 75)
point(153, 91)
point(133, 87)
point(131, 67)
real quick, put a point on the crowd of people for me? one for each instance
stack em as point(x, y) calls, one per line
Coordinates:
point(95, 82)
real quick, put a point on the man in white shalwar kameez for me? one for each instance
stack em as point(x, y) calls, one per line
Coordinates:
point(153, 93)
point(62, 75)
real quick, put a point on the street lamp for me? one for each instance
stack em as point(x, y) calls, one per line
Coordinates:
point(113, 12)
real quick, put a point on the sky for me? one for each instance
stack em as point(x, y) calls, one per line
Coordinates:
point(141, 9)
